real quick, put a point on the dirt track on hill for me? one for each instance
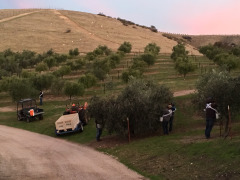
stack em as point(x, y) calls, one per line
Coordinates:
point(27, 155)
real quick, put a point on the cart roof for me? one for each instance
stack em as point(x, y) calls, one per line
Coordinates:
point(26, 100)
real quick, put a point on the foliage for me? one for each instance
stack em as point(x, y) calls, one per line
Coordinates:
point(60, 58)
point(210, 51)
point(41, 67)
point(18, 88)
point(126, 47)
point(179, 51)
point(27, 74)
point(148, 58)
point(88, 80)
point(102, 50)
point(130, 74)
point(223, 89)
point(184, 66)
point(153, 29)
point(101, 68)
point(74, 52)
point(152, 48)
point(57, 86)
point(62, 71)
point(227, 61)
point(90, 56)
point(50, 61)
point(73, 89)
point(41, 82)
point(139, 64)
point(236, 51)
point(141, 102)
point(114, 59)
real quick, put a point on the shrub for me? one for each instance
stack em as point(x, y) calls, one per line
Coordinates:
point(152, 48)
point(126, 47)
point(88, 80)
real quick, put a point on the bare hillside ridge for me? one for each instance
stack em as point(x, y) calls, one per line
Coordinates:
point(40, 30)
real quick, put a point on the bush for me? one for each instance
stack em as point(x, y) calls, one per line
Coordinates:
point(88, 80)
point(152, 48)
point(19, 88)
point(126, 47)
point(41, 82)
point(150, 59)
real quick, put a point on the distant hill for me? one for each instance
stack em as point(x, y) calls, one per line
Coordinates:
point(202, 40)
point(41, 29)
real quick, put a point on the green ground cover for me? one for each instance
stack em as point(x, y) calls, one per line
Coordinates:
point(184, 154)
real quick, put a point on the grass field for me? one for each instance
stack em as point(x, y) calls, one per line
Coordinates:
point(46, 28)
point(184, 154)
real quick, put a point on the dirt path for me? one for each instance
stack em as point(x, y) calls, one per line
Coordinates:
point(183, 93)
point(82, 30)
point(14, 17)
point(27, 155)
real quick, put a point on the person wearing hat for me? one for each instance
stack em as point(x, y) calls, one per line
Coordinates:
point(167, 113)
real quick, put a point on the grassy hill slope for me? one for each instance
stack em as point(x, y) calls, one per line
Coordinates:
point(39, 30)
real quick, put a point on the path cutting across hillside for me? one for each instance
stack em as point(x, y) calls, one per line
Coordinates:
point(82, 30)
point(27, 155)
point(17, 16)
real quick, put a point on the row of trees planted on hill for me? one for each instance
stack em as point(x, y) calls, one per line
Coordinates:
point(227, 57)
point(97, 68)
point(140, 62)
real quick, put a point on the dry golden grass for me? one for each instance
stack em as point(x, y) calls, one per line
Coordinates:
point(39, 30)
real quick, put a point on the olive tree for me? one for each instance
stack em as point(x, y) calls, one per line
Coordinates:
point(184, 65)
point(73, 89)
point(126, 47)
point(223, 89)
point(141, 102)
point(152, 48)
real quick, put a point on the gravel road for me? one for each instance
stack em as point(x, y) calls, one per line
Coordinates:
point(27, 155)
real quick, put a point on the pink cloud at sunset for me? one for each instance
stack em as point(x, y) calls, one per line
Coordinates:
point(215, 20)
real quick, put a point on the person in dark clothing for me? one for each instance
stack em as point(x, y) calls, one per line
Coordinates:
point(41, 97)
point(167, 113)
point(99, 126)
point(172, 117)
point(210, 117)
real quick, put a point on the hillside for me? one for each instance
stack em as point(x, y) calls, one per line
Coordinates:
point(39, 30)
point(203, 40)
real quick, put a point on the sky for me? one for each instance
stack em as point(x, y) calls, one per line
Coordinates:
point(192, 17)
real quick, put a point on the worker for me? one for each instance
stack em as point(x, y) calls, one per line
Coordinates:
point(41, 97)
point(31, 112)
